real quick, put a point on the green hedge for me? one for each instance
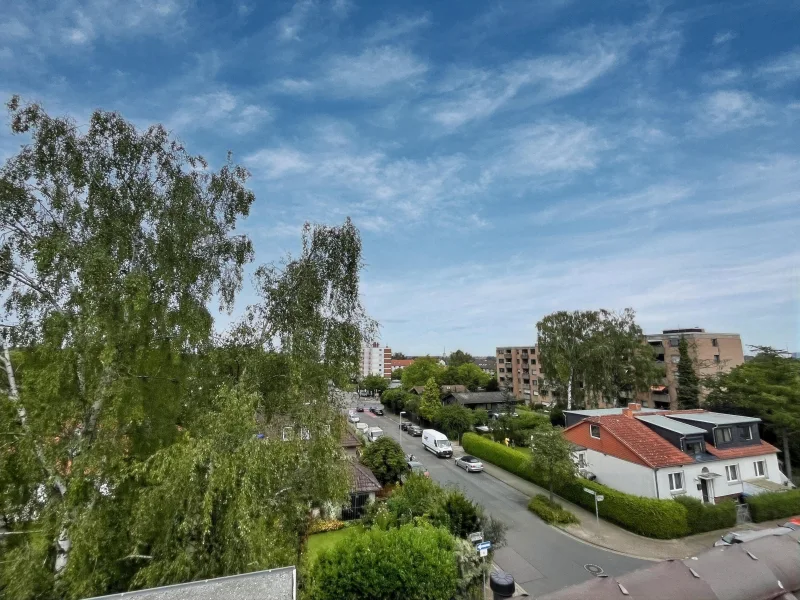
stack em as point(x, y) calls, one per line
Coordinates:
point(551, 512)
point(708, 517)
point(774, 505)
point(663, 519)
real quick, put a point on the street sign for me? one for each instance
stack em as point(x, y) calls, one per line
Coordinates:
point(588, 491)
point(483, 553)
point(484, 545)
point(599, 497)
point(476, 537)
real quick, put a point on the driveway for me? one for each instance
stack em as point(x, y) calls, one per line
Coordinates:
point(541, 558)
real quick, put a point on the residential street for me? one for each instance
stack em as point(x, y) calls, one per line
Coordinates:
point(540, 557)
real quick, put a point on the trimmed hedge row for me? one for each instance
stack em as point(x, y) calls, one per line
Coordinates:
point(774, 505)
point(663, 519)
point(551, 512)
point(708, 517)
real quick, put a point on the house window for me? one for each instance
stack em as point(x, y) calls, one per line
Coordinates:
point(674, 342)
point(287, 434)
point(582, 460)
point(724, 435)
point(675, 482)
point(305, 434)
point(732, 472)
point(594, 431)
point(716, 358)
point(715, 342)
point(746, 432)
point(760, 468)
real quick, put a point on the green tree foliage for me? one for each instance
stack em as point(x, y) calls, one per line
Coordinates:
point(453, 420)
point(394, 564)
point(601, 350)
point(430, 404)
point(412, 404)
point(551, 456)
point(420, 371)
point(688, 382)
point(492, 385)
point(138, 427)
point(399, 356)
point(480, 416)
point(472, 376)
point(397, 374)
point(550, 512)
point(395, 400)
point(386, 459)
point(458, 358)
point(374, 384)
point(767, 387)
point(462, 516)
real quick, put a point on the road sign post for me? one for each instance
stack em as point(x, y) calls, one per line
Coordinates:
point(597, 498)
point(483, 551)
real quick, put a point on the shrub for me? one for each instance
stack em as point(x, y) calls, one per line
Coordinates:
point(409, 562)
point(462, 516)
point(774, 505)
point(386, 459)
point(708, 517)
point(663, 519)
point(323, 525)
point(551, 512)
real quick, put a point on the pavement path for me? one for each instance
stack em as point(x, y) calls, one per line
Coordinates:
point(541, 558)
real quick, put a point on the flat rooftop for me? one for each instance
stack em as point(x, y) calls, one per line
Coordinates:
point(601, 412)
point(715, 418)
point(671, 424)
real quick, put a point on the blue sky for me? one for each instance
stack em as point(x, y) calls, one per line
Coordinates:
point(503, 160)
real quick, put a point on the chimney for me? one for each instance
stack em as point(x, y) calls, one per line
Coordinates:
point(633, 407)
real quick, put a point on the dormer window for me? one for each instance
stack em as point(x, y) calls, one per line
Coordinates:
point(594, 431)
point(724, 435)
point(745, 432)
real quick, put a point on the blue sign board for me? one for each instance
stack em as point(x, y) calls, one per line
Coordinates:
point(484, 545)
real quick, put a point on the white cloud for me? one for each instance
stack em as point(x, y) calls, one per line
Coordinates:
point(373, 70)
point(398, 27)
point(722, 77)
point(723, 37)
point(293, 86)
point(783, 70)
point(274, 163)
point(291, 25)
point(725, 110)
point(14, 28)
point(341, 8)
point(218, 109)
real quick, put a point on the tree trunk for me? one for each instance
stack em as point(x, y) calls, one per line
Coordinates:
point(569, 391)
point(787, 459)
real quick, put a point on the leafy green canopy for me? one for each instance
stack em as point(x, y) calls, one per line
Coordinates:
point(386, 459)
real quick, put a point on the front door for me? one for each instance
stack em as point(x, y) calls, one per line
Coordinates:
point(704, 487)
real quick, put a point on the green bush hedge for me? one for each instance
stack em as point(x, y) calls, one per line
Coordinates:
point(663, 519)
point(551, 512)
point(708, 517)
point(775, 505)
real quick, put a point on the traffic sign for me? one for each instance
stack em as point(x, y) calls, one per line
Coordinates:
point(599, 497)
point(483, 553)
point(484, 545)
point(476, 537)
point(588, 491)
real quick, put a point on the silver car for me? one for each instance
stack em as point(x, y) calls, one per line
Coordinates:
point(740, 537)
point(469, 464)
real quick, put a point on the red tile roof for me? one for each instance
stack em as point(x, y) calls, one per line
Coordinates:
point(742, 451)
point(650, 447)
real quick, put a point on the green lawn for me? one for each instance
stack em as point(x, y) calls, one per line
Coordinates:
point(322, 541)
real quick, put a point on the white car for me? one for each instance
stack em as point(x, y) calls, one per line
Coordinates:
point(353, 418)
point(469, 464)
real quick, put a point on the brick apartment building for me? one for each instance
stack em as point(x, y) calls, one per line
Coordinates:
point(518, 366)
point(518, 371)
point(376, 360)
point(711, 353)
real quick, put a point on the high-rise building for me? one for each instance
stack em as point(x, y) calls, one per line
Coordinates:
point(518, 371)
point(376, 360)
point(710, 352)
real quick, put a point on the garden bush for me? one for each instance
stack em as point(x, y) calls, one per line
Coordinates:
point(551, 512)
point(774, 505)
point(708, 517)
point(663, 519)
point(323, 525)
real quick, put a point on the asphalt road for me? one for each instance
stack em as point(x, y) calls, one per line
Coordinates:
point(541, 558)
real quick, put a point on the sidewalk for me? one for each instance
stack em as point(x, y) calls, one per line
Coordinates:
point(609, 536)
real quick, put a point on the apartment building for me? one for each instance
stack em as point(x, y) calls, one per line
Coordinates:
point(518, 371)
point(376, 360)
point(710, 352)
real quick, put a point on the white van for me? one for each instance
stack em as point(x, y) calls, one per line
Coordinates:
point(436, 442)
point(373, 433)
point(362, 427)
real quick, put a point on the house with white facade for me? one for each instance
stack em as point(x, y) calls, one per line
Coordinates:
point(662, 454)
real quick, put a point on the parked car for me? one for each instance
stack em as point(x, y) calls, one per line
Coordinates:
point(437, 442)
point(360, 409)
point(415, 431)
point(469, 463)
point(739, 537)
point(404, 425)
point(353, 419)
point(373, 433)
point(793, 524)
point(417, 467)
point(482, 428)
point(362, 427)
point(377, 411)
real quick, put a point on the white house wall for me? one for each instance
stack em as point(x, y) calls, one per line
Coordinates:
point(620, 474)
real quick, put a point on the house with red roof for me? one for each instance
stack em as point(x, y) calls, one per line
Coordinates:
point(663, 454)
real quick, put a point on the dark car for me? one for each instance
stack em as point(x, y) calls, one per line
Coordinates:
point(360, 409)
point(377, 411)
point(405, 425)
point(415, 431)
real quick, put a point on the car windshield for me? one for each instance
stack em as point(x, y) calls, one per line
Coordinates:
point(442, 443)
point(728, 538)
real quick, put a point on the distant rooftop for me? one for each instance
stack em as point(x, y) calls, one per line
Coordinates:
point(671, 424)
point(601, 412)
point(715, 418)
